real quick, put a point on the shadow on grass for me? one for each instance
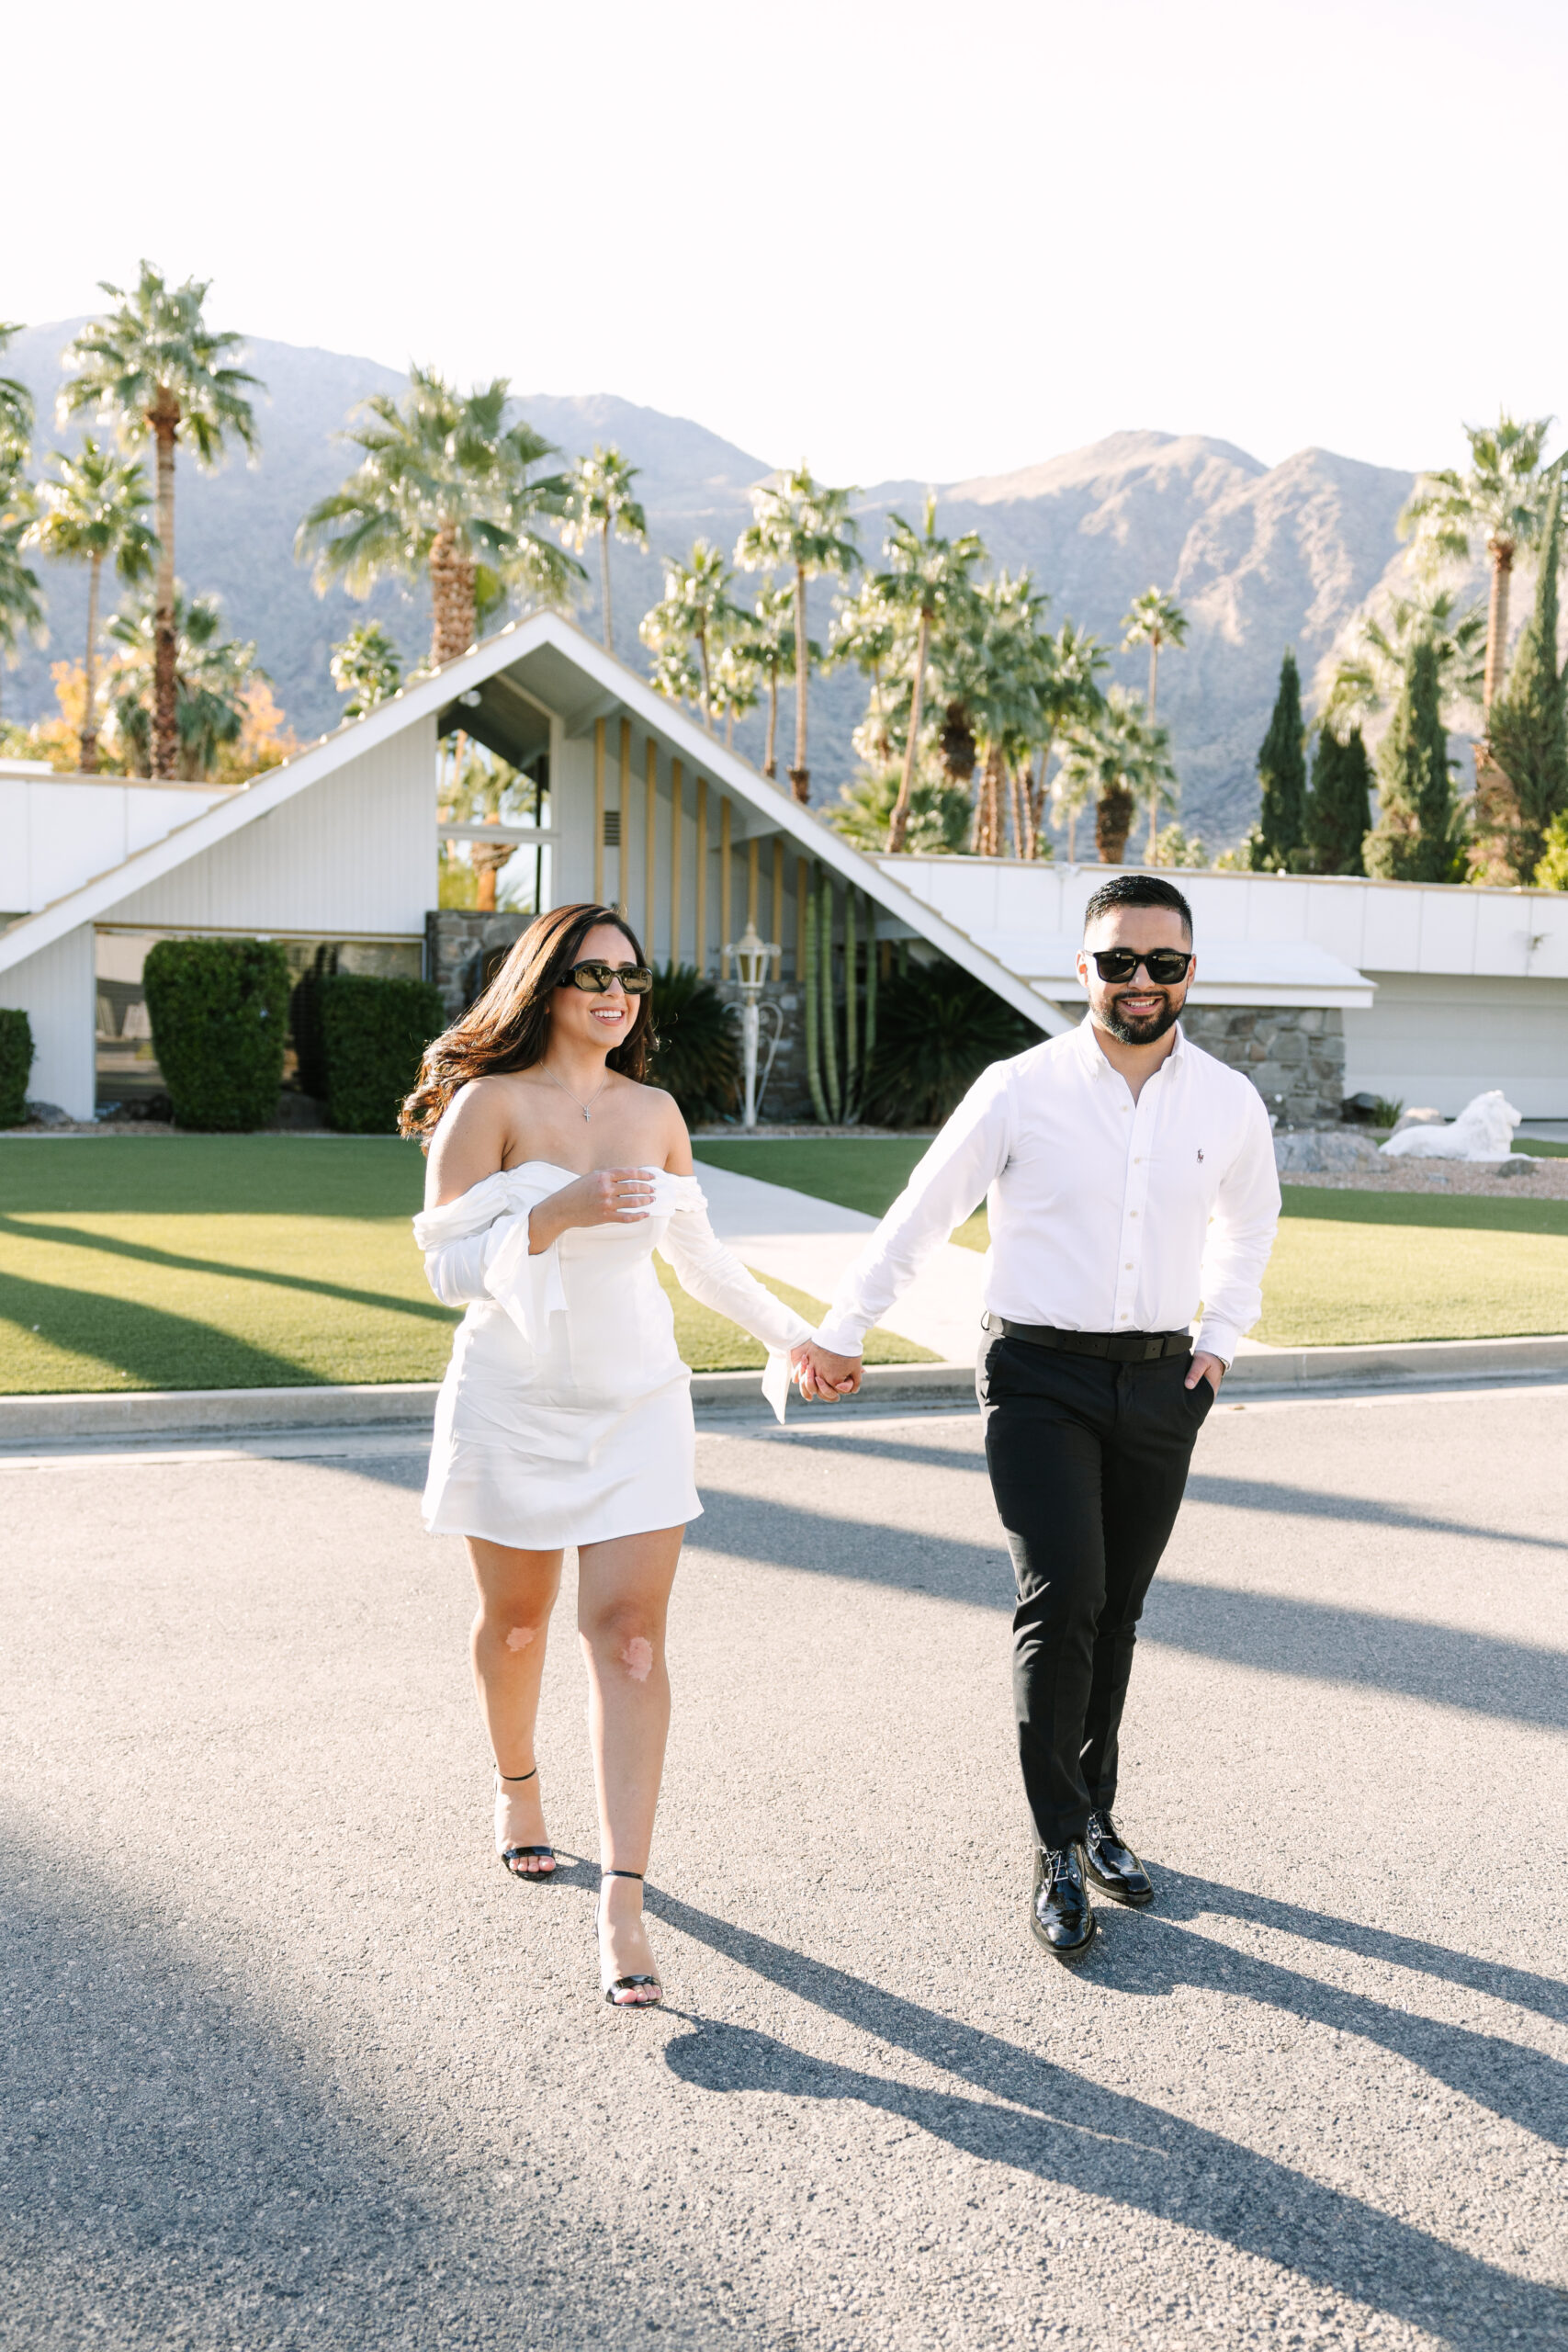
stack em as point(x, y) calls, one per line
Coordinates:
point(143, 1253)
point(1109, 2145)
point(152, 1348)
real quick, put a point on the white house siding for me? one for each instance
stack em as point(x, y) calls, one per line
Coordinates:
point(1440, 1039)
point(355, 853)
point(57, 832)
point(54, 989)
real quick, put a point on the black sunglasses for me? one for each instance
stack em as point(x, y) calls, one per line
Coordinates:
point(595, 978)
point(1164, 965)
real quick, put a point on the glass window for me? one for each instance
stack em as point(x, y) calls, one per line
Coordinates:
point(127, 1067)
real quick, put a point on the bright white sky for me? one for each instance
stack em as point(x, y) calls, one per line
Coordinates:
point(897, 237)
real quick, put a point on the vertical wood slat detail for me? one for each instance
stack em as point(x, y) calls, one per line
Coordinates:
point(802, 873)
point(622, 856)
point(598, 812)
point(677, 793)
point(701, 909)
point(753, 853)
point(651, 848)
point(725, 859)
point(777, 931)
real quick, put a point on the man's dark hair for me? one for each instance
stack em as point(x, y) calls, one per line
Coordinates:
point(1137, 891)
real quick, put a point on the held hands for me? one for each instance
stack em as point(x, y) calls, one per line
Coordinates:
point(821, 1373)
point(609, 1196)
point(1205, 1367)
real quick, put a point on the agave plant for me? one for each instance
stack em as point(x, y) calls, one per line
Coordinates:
point(696, 1055)
point(937, 1029)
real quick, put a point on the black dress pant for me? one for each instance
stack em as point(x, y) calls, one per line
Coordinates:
point(1088, 1464)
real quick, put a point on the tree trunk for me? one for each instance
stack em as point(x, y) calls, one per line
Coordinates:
point(1502, 554)
point(708, 685)
point(1154, 823)
point(730, 726)
point(1153, 674)
point(89, 738)
point(1072, 833)
point(800, 774)
point(604, 563)
point(769, 763)
point(898, 825)
point(1113, 822)
point(164, 419)
point(1035, 794)
point(453, 622)
point(1015, 803)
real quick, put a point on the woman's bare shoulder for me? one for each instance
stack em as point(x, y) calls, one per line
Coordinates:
point(469, 1143)
point(675, 1145)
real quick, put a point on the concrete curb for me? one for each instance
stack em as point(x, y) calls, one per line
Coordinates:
point(392, 1405)
point(410, 1404)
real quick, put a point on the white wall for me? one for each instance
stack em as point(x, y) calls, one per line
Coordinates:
point(57, 832)
point(356, 852)
point(55, 989)
point(1443, 1038)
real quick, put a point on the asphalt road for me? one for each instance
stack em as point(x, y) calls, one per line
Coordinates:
point(289, 2060)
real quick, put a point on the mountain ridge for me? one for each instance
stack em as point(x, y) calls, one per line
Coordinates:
point(1261, 557)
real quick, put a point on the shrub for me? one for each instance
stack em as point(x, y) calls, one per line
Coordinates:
point(937, 1029)
point(220, 1015)
point(373, 1035)
point(16, 1063)
point(697, 1056)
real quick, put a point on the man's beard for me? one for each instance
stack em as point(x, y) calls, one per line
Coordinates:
point(1140, 1033)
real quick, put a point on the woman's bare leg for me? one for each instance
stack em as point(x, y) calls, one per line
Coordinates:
point(623, 1600)
point(517, 1591)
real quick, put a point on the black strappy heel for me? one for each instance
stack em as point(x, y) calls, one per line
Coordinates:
point(511, 1854)
point(629, 1984)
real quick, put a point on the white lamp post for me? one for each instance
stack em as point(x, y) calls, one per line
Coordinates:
point(751, 960)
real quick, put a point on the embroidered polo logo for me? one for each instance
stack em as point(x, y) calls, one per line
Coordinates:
point(1199, 1151)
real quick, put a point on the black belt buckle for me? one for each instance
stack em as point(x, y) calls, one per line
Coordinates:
point(1153, 1348)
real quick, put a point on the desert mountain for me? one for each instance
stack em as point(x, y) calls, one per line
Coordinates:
point(1260, 557)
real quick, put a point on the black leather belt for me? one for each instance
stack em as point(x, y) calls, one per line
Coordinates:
point(1116, 1347)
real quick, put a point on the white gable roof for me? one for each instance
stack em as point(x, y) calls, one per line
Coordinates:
point(601, 675)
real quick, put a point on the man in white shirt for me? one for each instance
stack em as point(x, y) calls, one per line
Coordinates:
point(1129, 1177)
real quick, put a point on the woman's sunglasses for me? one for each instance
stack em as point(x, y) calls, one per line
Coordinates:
point(596, 980)
point(1164, 965)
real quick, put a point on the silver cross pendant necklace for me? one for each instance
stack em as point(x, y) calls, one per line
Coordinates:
point(583, 1107)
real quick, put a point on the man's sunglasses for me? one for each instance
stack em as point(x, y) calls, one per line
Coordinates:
point(596, 980)
point(1164, 965)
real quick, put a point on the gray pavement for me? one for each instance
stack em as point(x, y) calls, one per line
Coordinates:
point(288, 2060)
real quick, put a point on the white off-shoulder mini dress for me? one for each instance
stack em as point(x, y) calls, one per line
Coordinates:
point(565, 1413)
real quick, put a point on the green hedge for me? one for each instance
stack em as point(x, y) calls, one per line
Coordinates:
point(16, 1063)
point(220, 1015)
point(373, 1034)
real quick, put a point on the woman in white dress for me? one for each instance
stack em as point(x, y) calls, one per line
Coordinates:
point(566, 1416)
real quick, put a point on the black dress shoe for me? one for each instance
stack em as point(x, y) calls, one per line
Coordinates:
point(1060, 1914)
point(1114, 1866)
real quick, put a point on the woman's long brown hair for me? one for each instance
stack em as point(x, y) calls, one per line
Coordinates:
point(509, 1026)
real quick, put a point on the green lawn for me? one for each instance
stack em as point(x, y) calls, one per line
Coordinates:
point(218, 1261)
point(1347, 1267)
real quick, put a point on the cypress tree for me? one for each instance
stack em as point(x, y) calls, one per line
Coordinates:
point(1527, 726)
point(1281, 770)
point(1340, 812)
point(1419, 835)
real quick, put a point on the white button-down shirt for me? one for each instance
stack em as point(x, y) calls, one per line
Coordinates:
point(1106, 1214)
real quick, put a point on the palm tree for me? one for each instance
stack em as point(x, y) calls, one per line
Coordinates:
point(599, 500)
point(212, 675)
point(1122, 759)
point(1373, 672)
point(1501, 500)
point(1066, 695)
point(763, 648)
point(695, 610)
point(16, 410)
point(21, 600)
point(870, 632)
point(799, 525)
point(154, 369)
point(446, 488)
point(93, 512)
point(368, 667)
point(929, 580)
point(1153, 620)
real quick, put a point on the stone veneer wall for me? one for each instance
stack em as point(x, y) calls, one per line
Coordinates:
point(453, 937)
point(1294, 1055)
